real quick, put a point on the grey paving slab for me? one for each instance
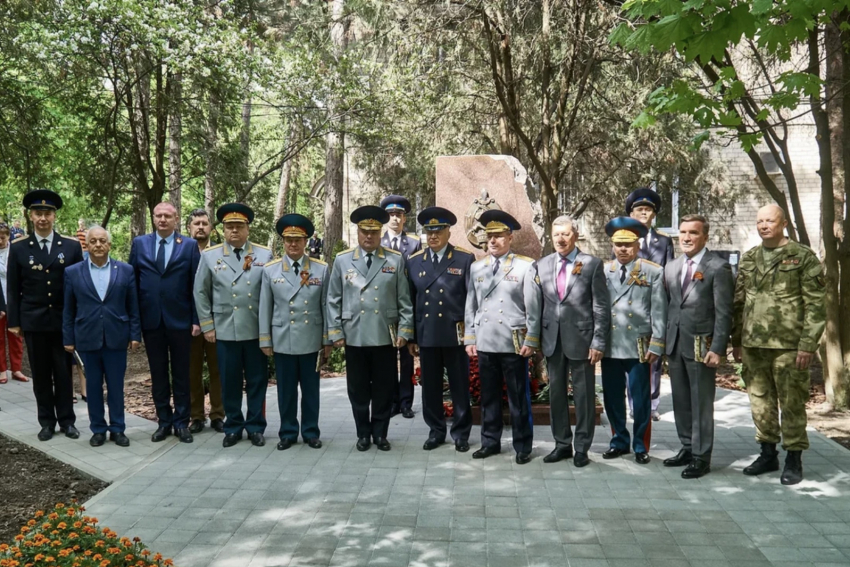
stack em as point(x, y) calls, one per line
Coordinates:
point(247, 506)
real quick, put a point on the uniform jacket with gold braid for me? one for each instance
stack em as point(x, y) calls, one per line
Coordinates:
point(638, 308)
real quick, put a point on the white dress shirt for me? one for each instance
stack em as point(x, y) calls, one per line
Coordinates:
point(696, 260)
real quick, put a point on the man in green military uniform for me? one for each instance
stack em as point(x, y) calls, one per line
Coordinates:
point(778, 320)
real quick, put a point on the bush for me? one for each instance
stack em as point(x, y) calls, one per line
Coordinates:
point(67, 538)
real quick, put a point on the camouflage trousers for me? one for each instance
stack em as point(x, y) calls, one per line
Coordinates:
point(774, 384)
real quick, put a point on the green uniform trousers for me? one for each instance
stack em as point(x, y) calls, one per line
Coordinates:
point(774, 384)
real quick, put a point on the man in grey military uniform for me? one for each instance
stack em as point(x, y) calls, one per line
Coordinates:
point(700, 290)
point(293, 329)
point(227, 298)
point(370, 314)
point(502, 320)
point(638, 306)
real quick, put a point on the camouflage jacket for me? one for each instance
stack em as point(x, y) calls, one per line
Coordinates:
point(780, 304)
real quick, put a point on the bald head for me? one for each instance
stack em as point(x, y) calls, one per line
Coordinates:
point(771, 223)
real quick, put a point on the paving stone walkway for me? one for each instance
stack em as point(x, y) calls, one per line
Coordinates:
point(253, 507)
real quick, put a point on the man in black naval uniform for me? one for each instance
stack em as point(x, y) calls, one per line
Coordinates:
point(439, 277)
point(396, 239)
point(36, 276)
point(643, 204)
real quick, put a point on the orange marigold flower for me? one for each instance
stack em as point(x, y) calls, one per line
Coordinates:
point(78, 525)
point(52, 516)
point(168, 562)
point(104, 563)
point(39, 514)
point(71, 511)
point(62, 525)
point(145, 552)
point(157, 557)
point(60, 506)
point(19, 537)
point(49, 559)
point(73, 535)
point(31, 523)
point(38, 557)
point(98, 543)
point(129, 557)
point(25, 529)
point(87, 553)
point(97, 556)
point(137, 539)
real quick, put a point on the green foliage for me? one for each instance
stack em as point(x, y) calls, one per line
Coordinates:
point(336, 361)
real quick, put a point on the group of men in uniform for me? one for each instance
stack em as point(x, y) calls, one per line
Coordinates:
point(387, 299)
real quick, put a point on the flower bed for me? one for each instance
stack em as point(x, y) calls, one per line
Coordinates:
point(67, 538)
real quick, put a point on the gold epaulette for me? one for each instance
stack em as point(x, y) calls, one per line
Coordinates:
point(393, 251)
point(416, 254)
point(317, 261)
point(260, 246)
point(216, 247)
point(521, 257)
point(352, 249)
point(645, 261)
point(662, 233)
point(464, 250)
point(484, 259)
point(18, 239)
point(272, 263)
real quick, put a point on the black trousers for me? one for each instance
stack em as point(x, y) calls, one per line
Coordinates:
point(370, 375)
point(167, 347)
point(51, 378)
point(403, 395)
point(456, 364)
point(495, 369)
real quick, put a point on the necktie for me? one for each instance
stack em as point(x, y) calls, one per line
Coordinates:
point(622, 274)
point(369, 261)
point(238, 252)
point(160, 256)
point(295, 267)
point(395, 243)
point(562, 279)
point(496, 267)
point(688, 276)
point(44, 245)
point(436, 260)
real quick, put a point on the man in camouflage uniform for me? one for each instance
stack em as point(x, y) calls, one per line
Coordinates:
point(778, 319)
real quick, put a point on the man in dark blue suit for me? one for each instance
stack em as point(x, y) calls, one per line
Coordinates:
point(439, 277)
point(396, 239)
point(101, 318)
point(644, 204)
point(165, 263)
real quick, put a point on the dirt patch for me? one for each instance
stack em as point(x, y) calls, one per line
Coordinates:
point(33, 481)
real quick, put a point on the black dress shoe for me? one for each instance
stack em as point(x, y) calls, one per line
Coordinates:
point(363, 444)
point(642, 458)
point(485, 452)
point(314, 443)
point(408, 413)
point(45, 434)
point(559, 454)
point(523, 458)
point(257, 439)
point(97, 440)
point(70, 432)
point(581, 460)
point(284, 444)
point(231, 439)
point(120, 439)
point(160, 434)
point(682, 459)
point(613, 453)
point(431, 444)
point(217, 425)
point(382, 444)
point(696, 469)
point(462, 446)
point(196, 426)
point(183, 435)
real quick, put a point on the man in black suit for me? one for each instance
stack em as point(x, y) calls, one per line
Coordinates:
point(396, 239)
point(439, 278)
point(36, 276)
point(165, 263)
point(644, 204)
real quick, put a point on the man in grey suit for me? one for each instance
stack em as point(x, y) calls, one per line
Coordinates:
point(227, 297)
point(576, 324)
point(638, 306)
point(293, 329)
point(369, 312)
point(700, 290)
point(502, 328)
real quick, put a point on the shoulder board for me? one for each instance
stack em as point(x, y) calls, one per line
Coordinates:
point(211, 248)
point(18, 239)
point(393, 251)
point(255, 245)
point(272, 263)
point(521, 257)
point(464, 250)
point(313, 261)
point(662, 233)
point(645, 261)
point(352, 249)
point(418, 254)
point(484, 259)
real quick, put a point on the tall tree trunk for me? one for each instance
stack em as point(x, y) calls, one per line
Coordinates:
point(175, 127)
point(283, 186)
point(245, 137)
point(138, 102)
point(211, 151)
point(335, 143)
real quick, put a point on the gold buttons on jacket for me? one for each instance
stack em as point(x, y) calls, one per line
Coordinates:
point(629, 328)
point(426, 303)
